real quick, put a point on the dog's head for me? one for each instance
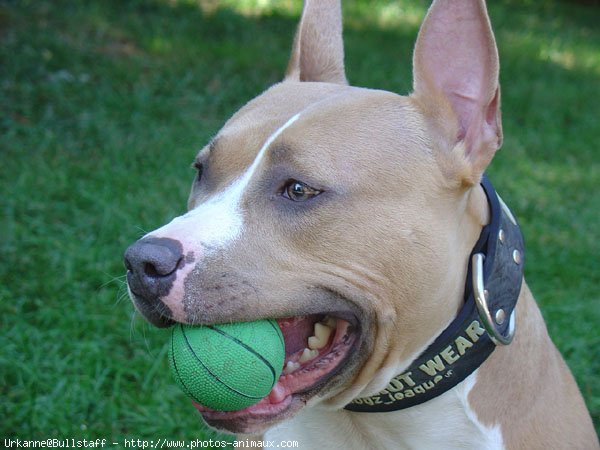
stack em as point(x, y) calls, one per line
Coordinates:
point(342, 212)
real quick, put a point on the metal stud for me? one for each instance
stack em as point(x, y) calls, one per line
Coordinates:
point(517, 256)
point(500, 316)
point(501, 235)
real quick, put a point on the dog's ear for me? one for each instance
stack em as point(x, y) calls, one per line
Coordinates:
point(456, 80)
point(318, 50)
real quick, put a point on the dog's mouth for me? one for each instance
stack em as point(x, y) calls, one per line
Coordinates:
point(316, 350)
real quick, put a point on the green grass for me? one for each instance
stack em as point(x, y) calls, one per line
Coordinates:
point(103, 105)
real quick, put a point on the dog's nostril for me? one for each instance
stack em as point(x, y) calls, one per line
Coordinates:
point(150, 270)
point(152, 259)
point(163, 268)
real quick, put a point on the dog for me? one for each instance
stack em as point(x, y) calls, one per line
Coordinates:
point(367, 215)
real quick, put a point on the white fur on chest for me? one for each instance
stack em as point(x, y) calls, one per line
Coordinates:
point(446, 422)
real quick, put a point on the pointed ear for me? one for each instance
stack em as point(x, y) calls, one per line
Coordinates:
point(318, 51)
point(456, 76)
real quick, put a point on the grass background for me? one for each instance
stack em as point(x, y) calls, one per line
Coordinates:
point(103, 105)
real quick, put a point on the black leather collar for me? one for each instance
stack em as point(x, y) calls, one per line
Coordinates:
point(486, 320)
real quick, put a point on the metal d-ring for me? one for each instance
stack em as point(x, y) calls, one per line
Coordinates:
point(480, 295)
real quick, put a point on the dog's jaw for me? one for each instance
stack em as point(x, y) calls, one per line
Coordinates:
point(311, 364)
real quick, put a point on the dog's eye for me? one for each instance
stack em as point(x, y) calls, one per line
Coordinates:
point(299, 192)
point(199, 168)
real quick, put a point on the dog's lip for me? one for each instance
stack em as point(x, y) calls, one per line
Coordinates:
point(284, 400)
point(154, 315)
point(247, 423)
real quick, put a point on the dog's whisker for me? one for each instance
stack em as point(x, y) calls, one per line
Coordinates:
point(142, 231)
point(120, 280)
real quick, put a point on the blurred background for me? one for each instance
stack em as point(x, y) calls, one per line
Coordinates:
point(103, 106)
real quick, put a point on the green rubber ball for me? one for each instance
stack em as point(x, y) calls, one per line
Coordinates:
point(227, 367)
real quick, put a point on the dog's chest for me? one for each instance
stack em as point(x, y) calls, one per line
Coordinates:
point(446, 422)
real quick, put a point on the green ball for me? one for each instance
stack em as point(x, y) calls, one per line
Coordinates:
point(227, 367)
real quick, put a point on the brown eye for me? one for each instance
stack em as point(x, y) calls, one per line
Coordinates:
point(299, 192)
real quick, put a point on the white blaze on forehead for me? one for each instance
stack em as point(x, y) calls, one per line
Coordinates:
point(219, 220)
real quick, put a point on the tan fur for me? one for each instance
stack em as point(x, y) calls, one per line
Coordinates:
point(461, 98)
point(529, 390)
point(318, 52)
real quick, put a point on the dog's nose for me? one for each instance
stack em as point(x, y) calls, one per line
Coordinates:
point(151, 266)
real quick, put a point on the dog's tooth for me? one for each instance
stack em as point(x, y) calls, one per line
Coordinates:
point(308, 354)
point(331, 322)
point(314, 343)
point(290, 367)
point(320, 338)
point(322, 332)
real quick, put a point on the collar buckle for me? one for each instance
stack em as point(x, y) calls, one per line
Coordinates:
point(481, 301)
point(497, 270)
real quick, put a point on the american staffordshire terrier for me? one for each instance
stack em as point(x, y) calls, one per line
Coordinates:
point(362, 221)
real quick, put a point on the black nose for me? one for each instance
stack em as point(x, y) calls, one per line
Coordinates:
point(152, 264)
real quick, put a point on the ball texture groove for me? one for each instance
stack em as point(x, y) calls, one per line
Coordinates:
point(227, 367)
